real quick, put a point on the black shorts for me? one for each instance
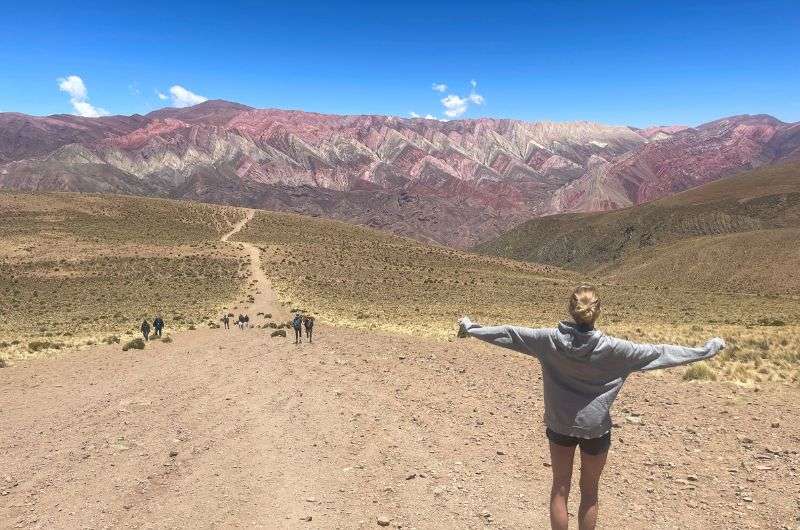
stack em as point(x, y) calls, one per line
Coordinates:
point(592, 446)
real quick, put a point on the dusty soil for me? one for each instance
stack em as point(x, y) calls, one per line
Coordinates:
point(236, 429)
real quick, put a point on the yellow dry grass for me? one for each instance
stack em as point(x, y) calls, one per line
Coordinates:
point(77, 270)
point(353, 276)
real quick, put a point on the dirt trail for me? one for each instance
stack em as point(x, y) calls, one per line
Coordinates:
point(222, 429)
point(266, 301)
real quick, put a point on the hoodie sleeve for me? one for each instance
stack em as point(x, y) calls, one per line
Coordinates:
point(523, 340)
point(644, 357)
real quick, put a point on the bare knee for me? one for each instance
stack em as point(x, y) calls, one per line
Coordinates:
point(560, 488)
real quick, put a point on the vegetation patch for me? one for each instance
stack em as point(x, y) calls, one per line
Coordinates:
point(136, 344)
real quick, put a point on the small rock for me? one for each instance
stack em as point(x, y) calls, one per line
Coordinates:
point(311, 499)
point(775, 424)
point(501, 453)
point(306, 519)
point(411, 476)
point(636, 420)
point(692, 478)
point(745, 440)
point(383, 520)
point(127, 506)
point(173, 453)
point(774, 450)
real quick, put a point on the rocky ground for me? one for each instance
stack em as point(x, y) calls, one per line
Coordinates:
point(236, 429)
point(233, 428)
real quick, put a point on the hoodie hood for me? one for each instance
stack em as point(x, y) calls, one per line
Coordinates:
point(572, 341)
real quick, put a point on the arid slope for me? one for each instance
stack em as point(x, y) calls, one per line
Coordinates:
point(737, 234)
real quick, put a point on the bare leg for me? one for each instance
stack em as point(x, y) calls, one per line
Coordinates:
point(561, 459)
point(591, 469)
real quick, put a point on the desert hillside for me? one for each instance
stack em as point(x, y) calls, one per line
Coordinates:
point(76, 270)
point(104, 265)
point(737, 234)
point(385, 419)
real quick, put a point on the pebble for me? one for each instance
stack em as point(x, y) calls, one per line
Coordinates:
point(411, 476)
point(501, 453)
point(775, 424)
point(383, 520)
point(173, 453)
point(307, 518)
point(636, 420)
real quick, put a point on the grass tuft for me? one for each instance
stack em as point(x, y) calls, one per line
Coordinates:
point(699, 372)
point(136, 344)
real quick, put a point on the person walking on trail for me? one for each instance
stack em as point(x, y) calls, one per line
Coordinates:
point(308, 323)
point(246, 322)
point(297, 324)
point(158, 325)
point(226, 321)
point(583, 370)
point(240, 321)
point(145, 329)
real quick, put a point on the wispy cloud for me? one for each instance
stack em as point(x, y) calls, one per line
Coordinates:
point(182, 97)
point(439, 87)
point(79, 97)
point(427, 116)
point(162, 96)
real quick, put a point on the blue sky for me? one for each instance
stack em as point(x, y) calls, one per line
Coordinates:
point(636, 63)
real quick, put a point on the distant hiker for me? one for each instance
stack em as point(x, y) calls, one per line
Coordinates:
point(583, 370)
point(240, 321)
point(226, 321)
point(297, 324)
point(145, 329)
point(158, 325)
point(246, 320)
point(308, 322)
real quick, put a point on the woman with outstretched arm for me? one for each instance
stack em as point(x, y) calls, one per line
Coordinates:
point(583, 370)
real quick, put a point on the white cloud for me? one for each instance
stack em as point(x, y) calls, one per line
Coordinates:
point(182, 97)
point(162, 96)
point(79, 97)
point(455, 105)
point(413, 114)
point(439, 87)
point(72, 85)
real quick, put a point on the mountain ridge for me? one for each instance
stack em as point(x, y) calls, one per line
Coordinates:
point(455, 182)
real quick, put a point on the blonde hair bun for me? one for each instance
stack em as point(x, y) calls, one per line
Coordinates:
point(584, 305)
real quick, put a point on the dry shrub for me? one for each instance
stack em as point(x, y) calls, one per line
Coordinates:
point(699, 372)
point(136, 344)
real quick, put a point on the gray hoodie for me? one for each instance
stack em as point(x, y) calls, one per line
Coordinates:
point(583, 370)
